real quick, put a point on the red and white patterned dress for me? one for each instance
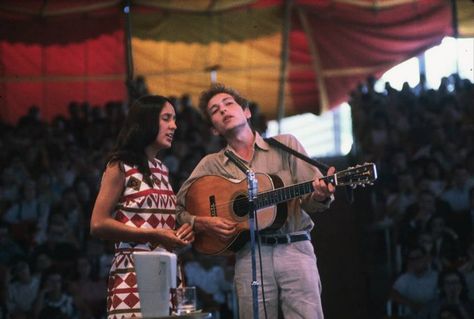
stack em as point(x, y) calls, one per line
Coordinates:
point(141, 206)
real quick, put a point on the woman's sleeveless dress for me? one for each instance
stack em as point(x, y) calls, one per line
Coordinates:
point(141, 206)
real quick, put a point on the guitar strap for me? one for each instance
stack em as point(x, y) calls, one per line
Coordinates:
point(321, 166)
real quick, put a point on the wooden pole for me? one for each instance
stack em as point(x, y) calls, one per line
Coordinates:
point(284, 61)
point(128, 49)
point(317, 66)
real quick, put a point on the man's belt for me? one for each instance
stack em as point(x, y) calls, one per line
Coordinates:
point(283, 239)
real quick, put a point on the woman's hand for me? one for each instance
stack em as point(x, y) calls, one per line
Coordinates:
point(186, 233)
point(168, 239)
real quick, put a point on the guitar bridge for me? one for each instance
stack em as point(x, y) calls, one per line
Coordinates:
point(212, 205)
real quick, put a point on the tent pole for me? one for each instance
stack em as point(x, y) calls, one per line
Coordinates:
point(317, 65)
point(454, 12)
point(128, 49)
point(284, 61)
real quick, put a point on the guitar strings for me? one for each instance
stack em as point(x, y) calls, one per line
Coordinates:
point(242, 202)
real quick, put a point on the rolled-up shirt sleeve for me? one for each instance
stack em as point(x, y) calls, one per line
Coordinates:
point(202, 169)
point(303, 171)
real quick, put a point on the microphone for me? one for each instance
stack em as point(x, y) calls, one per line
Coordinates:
point(251, 180)
point(237, 161)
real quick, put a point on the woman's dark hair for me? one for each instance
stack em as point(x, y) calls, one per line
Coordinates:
point(140, 129)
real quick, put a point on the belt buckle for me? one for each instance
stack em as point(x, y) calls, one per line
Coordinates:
point(288, 238)
point(272, 240)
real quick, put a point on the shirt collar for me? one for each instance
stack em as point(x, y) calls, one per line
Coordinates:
point(259, 143)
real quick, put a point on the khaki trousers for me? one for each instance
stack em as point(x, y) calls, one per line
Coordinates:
point(290, 277)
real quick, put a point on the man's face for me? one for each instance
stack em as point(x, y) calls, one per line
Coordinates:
point(418, 261)
point(226, 114)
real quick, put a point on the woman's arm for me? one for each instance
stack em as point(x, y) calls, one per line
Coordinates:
point(104, 226)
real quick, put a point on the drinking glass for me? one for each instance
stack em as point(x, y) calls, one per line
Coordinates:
point(185, 300)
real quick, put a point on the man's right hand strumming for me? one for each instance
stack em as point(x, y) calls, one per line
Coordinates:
point(223, 228)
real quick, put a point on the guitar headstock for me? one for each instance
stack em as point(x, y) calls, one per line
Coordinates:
point(359, 175)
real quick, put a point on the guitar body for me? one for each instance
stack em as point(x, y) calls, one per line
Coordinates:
point(216, 196)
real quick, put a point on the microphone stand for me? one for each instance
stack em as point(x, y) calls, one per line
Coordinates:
point(252, 188)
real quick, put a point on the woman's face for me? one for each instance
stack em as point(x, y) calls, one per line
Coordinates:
point(167, 125)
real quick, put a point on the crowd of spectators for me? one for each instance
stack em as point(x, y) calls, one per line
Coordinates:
point(50, 267)
point(49, 176)
point(422, 141)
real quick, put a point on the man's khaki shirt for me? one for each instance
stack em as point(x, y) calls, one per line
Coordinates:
point(266, 159)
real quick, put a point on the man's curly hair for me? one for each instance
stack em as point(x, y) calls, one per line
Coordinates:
point(215, 89)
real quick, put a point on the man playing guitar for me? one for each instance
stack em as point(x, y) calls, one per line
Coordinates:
point(290, 274)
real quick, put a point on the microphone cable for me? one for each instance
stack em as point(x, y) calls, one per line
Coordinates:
point(260, 262)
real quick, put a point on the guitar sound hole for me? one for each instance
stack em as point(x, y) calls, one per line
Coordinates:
point(241, 206)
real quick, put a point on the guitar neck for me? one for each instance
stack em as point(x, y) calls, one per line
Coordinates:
point(285, 194)
point(360, 175)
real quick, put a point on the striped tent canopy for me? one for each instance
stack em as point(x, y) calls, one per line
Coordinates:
point(289, 57)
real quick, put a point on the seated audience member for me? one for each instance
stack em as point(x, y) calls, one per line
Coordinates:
point(435, 177)
point(426, 240)
point(28, 216)
point(68, 213)
point(88, 291)
point(416, 218)
point(453, 293)
point(400, 199)
point(458, 197)
point(22, 291)
point(53, 300)
point(446, 248)
point(416, 286)
point(58, 246)
point(457, 194)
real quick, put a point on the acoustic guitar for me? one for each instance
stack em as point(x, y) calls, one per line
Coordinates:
point(212, 195)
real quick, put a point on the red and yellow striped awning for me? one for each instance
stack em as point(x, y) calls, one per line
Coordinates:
point(59, 51)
